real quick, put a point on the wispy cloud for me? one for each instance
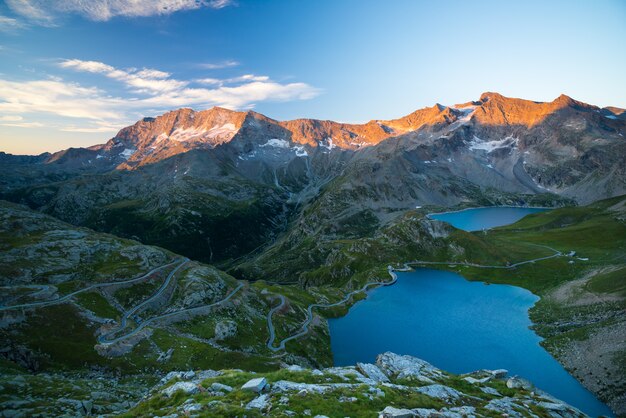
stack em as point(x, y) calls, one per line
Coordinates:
point(218, 65)
point(55, 97)
point(246, 78)
point(141, 81)
point(16, 121)
point(9, 24)
point(93, 128)
point(46, 12)
point(153, 91)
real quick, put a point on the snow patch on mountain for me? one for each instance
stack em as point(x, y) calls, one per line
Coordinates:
point(277, 143)
point(127, 153)
point(226, 131)
point(284, 144)
point(300, 151)
point(188, 134)
point(464, 116)
point(327, 143)
point(478, 144)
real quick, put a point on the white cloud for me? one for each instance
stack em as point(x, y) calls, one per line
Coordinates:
point(56, 97)
point(247, 78)
point(10, 118)
point(47, 11)
point(88, 66)
point(155, 90)
point(9, 24)
point(22, 124)
point(149, 73)
point(218, 65)
point(93, 128)
point(209, 81)
point(141, 81)
point(17, 121)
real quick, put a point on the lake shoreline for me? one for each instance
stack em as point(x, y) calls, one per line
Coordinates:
point(529, 327)
point(413, 265)
point(491, 207)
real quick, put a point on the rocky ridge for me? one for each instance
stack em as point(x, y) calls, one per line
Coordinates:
point(396, 386)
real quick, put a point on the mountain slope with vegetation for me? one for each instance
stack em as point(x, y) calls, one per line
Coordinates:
point(295, 217)
point(192, 181)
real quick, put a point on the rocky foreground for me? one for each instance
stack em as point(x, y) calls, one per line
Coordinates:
point(396, 386)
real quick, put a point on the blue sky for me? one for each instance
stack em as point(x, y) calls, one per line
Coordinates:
point(73, 72)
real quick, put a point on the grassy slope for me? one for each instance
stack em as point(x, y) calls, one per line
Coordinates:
point(356, 401)
point(596, 232)
point(60, 337)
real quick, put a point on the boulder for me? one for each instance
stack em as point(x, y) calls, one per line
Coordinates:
point(170, 376)
point(426, 412)
point(220, 387)
point(191, 407)
point(407, 367)
point(207, 374)
point(490, 391)
point(87, 406)
point(518, 383)
point(391, 412)
point(187, 387)
point(475, 381)
point(283, 386)
point(372, 371)
point(260, 402)
point(557, 408)
point(459, 411)
point(225, 329)
point(346, 373)
point(255, 385)
point(506, 406)
point(440, 392)
point(499, 373)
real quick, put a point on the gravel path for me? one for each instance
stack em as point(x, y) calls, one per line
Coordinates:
point(86, 289)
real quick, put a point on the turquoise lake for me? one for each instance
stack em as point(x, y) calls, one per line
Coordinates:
point(476, 219)
point(457, 325)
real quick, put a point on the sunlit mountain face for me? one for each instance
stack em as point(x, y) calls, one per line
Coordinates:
point(237, 208)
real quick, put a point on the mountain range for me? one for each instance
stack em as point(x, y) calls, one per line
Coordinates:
point(194, 181)
point(146, 237)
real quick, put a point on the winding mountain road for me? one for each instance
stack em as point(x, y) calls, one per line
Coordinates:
point(305, 325)
point(131, 312)
point(304, 329)
point(509, 266)
point(86, 289)
point(103, 338)
point(107, 338)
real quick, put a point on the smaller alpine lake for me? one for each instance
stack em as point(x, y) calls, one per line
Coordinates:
point(476, 219)
point(457, 325)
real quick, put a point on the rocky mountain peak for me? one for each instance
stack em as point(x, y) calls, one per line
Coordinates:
point(153, 139)
point(488, 95)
